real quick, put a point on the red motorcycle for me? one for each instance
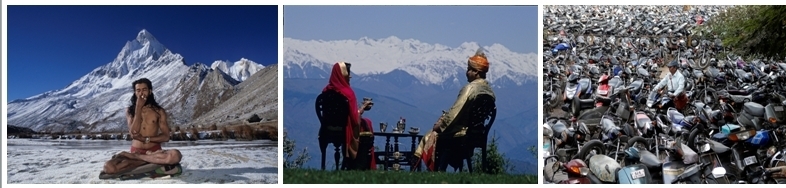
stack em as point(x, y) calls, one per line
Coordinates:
point(604, 91)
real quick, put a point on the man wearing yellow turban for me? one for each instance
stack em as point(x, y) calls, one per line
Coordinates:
point(452, 121)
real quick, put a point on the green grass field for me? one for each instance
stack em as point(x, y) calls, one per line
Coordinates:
point(304, 176)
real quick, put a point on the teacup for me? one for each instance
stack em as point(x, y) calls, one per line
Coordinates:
point(383, 127)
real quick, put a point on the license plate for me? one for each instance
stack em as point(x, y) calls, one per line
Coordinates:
point(778, 108)
point(749, 160)
point(637, 174)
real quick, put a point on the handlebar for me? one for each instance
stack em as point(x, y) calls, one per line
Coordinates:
point(706, 165)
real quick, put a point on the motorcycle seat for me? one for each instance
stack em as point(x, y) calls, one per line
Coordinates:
point(584, 104)
point(636, 85)
point(604, 100)
point(737, 92)
point(674, 115)
point(754, 109)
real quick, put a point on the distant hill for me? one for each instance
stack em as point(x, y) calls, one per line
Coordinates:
point(19, 130)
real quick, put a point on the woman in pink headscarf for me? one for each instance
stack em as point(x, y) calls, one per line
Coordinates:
point(339, 82)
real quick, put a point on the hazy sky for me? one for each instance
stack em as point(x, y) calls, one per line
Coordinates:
point(515, 27)
point(51, 46)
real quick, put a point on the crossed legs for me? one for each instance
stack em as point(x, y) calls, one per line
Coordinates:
point(172, 156)
point(121, 164)
point(125, 161)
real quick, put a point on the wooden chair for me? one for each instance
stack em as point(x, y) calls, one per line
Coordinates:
point(452, 150)
point(332, 110)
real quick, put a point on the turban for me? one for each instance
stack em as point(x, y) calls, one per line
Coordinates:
point(479, 61)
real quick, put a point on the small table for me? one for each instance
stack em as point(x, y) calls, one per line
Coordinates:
point(390, 149)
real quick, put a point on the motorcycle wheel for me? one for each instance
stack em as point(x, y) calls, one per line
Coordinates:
point(635, 140)
point(593, 145)
point(703, 64)
point(556, 102)
point(694, 134)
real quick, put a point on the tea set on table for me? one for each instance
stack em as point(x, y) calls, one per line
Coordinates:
point(400, 127)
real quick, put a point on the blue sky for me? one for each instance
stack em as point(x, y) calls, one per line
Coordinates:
point(51, 46)
point(515, 27)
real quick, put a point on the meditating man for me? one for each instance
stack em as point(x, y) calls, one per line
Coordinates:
point(147, 123)
point(453, 121)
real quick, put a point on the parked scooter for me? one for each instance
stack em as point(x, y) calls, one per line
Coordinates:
point(573, 172)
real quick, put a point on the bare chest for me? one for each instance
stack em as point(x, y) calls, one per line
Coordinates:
point(150, 121)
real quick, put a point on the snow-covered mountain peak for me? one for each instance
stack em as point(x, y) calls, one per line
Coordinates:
point(220, 65)
point(470, 46)
point(144, 46)
point(239, 70)
point(243, 69)
point(145, 37)
point(391, 40)
point(244, 62)
point(198, 67)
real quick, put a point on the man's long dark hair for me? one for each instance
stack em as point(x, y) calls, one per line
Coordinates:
point(151, 100)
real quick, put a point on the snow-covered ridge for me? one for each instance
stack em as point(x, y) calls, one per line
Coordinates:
point(429, 63)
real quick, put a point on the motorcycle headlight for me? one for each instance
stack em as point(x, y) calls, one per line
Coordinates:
point(547, 132)
point(706, 147)
point(771, 151)
point(718, 172)
point(742, 136)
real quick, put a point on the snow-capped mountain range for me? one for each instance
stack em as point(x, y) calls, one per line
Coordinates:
point(429, 63)
point(97, 101)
